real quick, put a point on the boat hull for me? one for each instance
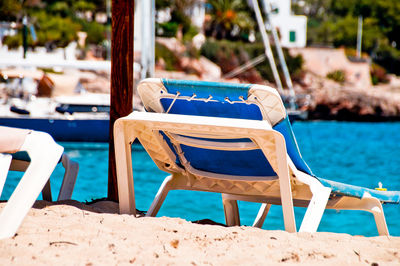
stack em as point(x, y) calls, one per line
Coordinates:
point(79, 130)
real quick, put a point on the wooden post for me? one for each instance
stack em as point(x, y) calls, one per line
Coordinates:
point(122, 22)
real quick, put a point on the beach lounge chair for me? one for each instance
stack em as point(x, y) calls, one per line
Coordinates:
point(234, 139)
point(37, 155)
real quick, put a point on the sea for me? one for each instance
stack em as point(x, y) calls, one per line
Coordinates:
point(355, 153)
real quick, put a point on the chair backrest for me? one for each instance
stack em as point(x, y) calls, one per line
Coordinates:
point(228, 100)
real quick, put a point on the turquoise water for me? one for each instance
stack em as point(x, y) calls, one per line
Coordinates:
point(356, 153)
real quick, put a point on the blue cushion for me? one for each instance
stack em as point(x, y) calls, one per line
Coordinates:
point(240, 163)
point(206, 159)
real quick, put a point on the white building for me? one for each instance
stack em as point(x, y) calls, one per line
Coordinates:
point(292, 28)
point(197, 13)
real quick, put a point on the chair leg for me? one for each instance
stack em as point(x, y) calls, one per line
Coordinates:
point(284, 185)
point(366, 203)
point(123, 160)
point(232, 217)
point(5, 161)
point(160, 197)
point(68, 184)
point(44, 154)
point(377, 211)
point(261, 215)
point(315, 208)
point(46, 192)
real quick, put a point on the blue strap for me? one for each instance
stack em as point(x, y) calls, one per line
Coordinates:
point(285, 128)
point(203, 89)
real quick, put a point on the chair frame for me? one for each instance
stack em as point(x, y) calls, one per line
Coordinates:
point(69, 179)
point(322, 199)
point(291, 187)
point(45, 154)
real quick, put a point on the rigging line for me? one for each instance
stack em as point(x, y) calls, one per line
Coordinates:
point(281, 56)
point(268, 51)
point(176, 97)
point(240, 69)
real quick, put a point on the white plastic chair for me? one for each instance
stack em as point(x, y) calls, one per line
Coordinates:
point(197, 117)
point(44, 154)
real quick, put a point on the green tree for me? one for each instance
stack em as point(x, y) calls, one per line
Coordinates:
point(55, 29)
point(95, 32)
point(60, 8)
point(315, 8)
point(9, 9)
point(83, 6)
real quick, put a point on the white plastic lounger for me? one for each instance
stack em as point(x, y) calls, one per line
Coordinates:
point(147, 126)
point(43, 156)
point(234, 139)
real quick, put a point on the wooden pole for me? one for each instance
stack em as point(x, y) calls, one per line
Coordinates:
point(122, 22)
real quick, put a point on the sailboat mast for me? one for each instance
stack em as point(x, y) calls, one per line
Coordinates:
point(267, 9)
point(268, 51)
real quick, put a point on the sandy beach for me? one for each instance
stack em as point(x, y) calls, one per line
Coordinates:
point(71, 233)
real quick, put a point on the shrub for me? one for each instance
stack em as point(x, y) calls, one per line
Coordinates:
point(210, 49)
point(96, 32)
point(337, 75)
point(13, 42)
point(389, 57)
point(171, 60)
point(55, 29)
point(167, 29)
point(190, 33)
point(378, 74)
point(351, 54)
point(191, 50)
point(229, 55)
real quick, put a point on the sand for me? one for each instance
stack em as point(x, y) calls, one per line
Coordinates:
point(71, 233)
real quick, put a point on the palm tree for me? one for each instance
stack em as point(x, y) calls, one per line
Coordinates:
point(228, 16)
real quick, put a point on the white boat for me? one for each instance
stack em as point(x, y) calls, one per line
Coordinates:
point(69, 118)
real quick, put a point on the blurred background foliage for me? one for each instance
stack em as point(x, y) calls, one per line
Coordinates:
point(230, 55)
point(330, 23)
point(334, 22)
point(56, 23)
point(229, 19)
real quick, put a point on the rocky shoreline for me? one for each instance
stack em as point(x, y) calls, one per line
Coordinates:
point(345, 102)
point(355, 99)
